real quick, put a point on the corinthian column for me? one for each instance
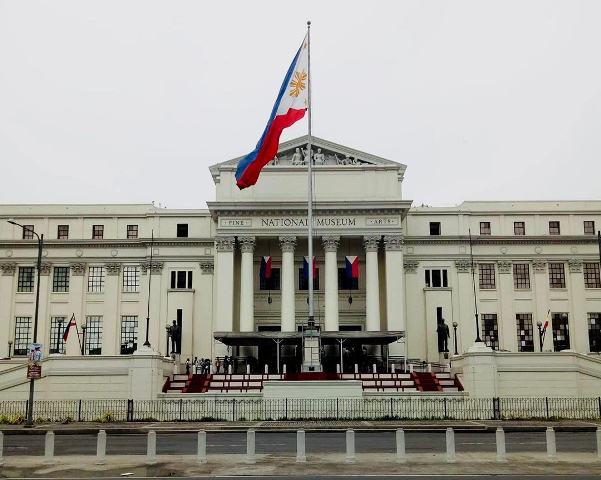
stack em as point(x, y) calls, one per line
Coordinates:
point(372, 285)
point(247, 306)
point(287, 244)
point(330, 246)
point(395, 289)
point(224, 277)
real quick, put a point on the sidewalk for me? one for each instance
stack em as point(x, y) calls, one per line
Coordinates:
point(278, 426)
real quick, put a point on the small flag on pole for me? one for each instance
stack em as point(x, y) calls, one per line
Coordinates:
point(351, 266)
point(306, 268)
point(265, 270)
point(68, 327)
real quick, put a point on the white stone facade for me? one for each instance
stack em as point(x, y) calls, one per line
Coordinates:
point(211, 275)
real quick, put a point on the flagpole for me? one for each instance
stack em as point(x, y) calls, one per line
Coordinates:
point(311, 322)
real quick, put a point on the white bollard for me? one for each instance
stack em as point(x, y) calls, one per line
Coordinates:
point(229, 369)
point(284, 369)
point(266, 369)
point(151, 448)
point(392, 368)
point(201, 447)
point(337, 368)
point(248, 369)
point(429, 367)
point(450, 446)
point(49, 448)
point(101, 448)
point(250, 447)
point(410, 368)
point(374, 370)
point(301, 455)
point(599, 443)
point(356, 368)
point(551, 447)
point(501, 452)
point(350, 446)
point(401, 455)
point(1, 448)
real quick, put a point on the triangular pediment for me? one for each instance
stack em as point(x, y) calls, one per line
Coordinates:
point(325, 153)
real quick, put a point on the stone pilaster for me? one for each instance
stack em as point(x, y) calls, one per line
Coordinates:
point(372, 283)
point(288, 244)
point(395, 285)
point(247, 304)
point(330, 246)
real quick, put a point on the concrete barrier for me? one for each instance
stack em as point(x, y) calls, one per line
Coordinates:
point(401, 455)
point(451, 458)
point(250, 447)
point(151, 448)
point(551, 446)
point(101, 448)
point(350, 446)
point(501, 452)
point(301, 455)
point(201, 447)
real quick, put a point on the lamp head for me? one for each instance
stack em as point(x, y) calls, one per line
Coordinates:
point(12, 222)
point(455, 324)
point(539, 324)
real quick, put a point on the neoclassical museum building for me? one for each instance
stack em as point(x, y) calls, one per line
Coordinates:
point(232, 279)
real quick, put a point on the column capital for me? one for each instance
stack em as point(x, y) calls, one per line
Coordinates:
point(463, 265)
point(330, 243)
point(155, 267)
point(371, 243)
point(8, 269)
point(225, 244)
point(113, 269)
point(393, 242)
point(287, 243)
point(410, 266)
point(247, 244)
point(539, 265)
point(46, 269)
point(207, 268)
point(504, 266)
point(575, 265)
point(78, 269)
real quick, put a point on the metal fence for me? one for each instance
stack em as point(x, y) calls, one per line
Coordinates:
point(234, 409)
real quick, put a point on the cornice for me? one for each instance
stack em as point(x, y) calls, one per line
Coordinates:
point(501, 240)
point(111, 243)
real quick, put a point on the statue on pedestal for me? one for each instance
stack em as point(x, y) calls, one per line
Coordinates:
point(443, 335)
point(175, 334)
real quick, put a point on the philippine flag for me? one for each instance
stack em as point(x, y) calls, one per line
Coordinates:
point(306, 267)
point(290, 106)
point(265, 270)
point(68, 327)
point(352, 266)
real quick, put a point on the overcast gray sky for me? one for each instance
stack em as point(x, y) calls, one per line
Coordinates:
point(118, 101)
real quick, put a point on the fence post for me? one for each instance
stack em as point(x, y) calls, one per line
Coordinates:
point(496, 408)
point(337, 410)
point(79, 411)
point(599, 443)
point(286, 409)
point(401, 456)
point(501, 452)
point(1, 448)
point(250, 447)
point(350, 446)
point(599, 403)
point(201, 450)
point(49, 448)
point(547, 406)
point(445, 407)
point(233, 409)
point(391, 407)
point(151, 448)
point(101, 448)
point(450, 446)
point(300, 447)
point(130, 410)
point(181, 408)
point(551, 447)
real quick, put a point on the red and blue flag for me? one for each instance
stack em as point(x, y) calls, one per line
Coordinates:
point(306, 268)
point(265, 269)
point(351, 264)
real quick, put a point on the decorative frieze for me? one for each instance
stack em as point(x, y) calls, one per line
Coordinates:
point(225, 244)
point(393, 242)
point(247, 244)
point(288, 243)
point(113, 268)
point(45, 269)
point(575, 265)
point(539, 265)
point(371, 243)
point(330, 243)
point(504, 266)
point(157, 267)
point(410, 266)
point(207, 268)
point(463, 265)
point(78, 269)
point(8, 269)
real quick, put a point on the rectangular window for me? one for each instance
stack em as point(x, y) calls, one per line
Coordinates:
point(521, 276)
point(271, 283)
point(132, 231)
point(561, 331)
point(436, 278)
point(487, 276)
point(62, 232)
point(484, 228)
point(490, 330)
point(25, 281)
point(434, 228)
point(57, 328)
point(97, 231)
point(303, 282)
point(557, 276)
point(60, 280)
point(519, 228)
point(93, 345)
point(96, 279)
point(27, 232)
point(525, 332)
point(129, 334)
point(554, 228)
point(589, 227)
point(181, 279)
point(131, 278)
point(22, 335)
point(594, 332)
point(346, 283)
point(182, 230)
point(591, 275)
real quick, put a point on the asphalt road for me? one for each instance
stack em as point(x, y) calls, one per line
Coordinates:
point(364, 477)
point(285, 443)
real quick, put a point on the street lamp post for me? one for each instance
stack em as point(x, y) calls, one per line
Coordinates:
point(10, 348)
point(168, 328)
point(29, 420)
point(83, 335)
point(59, 330)
point(455, 324)
point(539, 324)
